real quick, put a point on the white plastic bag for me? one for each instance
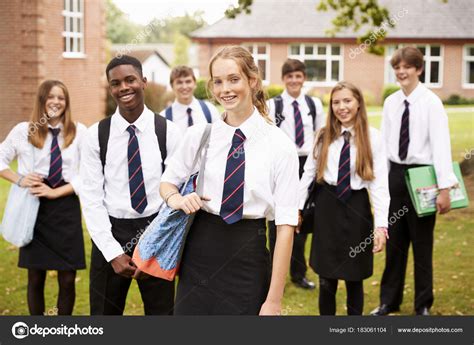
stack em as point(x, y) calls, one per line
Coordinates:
point(20, 214)
point(19, 217)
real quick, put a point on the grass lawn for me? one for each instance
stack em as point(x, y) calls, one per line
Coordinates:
point(453, 258)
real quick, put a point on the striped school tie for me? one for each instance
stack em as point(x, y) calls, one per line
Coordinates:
point(343, 188)
point(135, 173)
point(233, 196)
point(404, 140)
point(55, 175)
point(190, 117)
point(299, 133)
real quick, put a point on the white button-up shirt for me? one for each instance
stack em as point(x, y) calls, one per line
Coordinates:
point(429, 132)
point(180, 115)
point(108, 194)
point(377, 188)
point(288, 125)
point(16, 145)
point(271, 168)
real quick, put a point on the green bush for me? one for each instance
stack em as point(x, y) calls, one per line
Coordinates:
point(458, 100)
point(201, 91)
point(273, 90)
point(388, 90)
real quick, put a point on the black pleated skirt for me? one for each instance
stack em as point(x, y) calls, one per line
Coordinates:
point(225, 269)
point(342, 236)
point(58, 242)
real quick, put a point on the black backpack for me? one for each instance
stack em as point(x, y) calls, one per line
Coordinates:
point(279, 118)
point(160, 131)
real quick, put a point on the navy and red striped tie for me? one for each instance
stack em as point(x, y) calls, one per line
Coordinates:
point(404, 140)
point(343, 188)
point(299, 133)
point(135, 174)
point(232, 205)
point(55, 175)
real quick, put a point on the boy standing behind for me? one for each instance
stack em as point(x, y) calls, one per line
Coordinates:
point(186, 110)
point(299, 116)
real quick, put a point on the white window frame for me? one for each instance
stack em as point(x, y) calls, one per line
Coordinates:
point(256, 56)
point(427, 58)
point(76, 33)
point(465, 59)
point(328, 57)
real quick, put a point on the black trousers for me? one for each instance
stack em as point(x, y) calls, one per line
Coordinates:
point(298, 265)
point(108, 290)
point(405, 228)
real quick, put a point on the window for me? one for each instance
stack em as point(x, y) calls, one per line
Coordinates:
point(468, 66)
point(433, 64)
point(261, 56)
point(73, 33)
point(323, 62)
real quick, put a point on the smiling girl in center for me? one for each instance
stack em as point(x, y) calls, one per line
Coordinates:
point(251, 174)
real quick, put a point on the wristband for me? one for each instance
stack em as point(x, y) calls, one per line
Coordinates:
point(18, 183)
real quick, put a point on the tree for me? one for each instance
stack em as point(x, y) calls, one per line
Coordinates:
point(350, 14)
point(171, 27)
point(181, 48)
point(119, 28)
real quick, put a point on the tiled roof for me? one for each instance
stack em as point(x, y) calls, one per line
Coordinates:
point(433, 19)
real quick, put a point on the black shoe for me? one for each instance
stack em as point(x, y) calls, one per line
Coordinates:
point(424, 311)
point(304, 283)
point(383, 310)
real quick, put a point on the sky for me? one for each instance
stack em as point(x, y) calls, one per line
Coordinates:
point(143, 11)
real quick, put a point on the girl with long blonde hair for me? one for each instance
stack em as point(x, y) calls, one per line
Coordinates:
point(251, 174)
point(348, 166)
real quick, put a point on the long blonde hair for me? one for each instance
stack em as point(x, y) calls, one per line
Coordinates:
point(38, 125)
point(364, 159)
point(247, 65)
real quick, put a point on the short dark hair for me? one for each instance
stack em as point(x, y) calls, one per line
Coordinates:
point(292, 65)
point(124, 60)
point(180, 72)
point(411, 55)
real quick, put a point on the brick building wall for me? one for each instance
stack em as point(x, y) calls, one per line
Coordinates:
point(366, 70)
point(31, 46)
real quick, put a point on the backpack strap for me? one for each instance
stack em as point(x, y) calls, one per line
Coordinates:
point(160, 131)
point(104, 133)
point(312, 109)
point(169, 113)
point(205, 110)
point(279, 117)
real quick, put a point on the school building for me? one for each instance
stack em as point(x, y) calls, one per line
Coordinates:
point(52, 39)
point(277, 30)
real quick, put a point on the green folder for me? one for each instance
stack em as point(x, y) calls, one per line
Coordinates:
point(423, 189)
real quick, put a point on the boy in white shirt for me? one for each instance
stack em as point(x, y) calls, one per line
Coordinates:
point(416, 132)
point(299, 116)
point(186, 110)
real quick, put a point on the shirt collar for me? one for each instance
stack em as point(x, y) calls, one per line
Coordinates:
point(60, 125)
point(248, 127)
point(290, 99)
point(183, 107)
point(414, 95)
point(141, 123)
point(350, 129)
